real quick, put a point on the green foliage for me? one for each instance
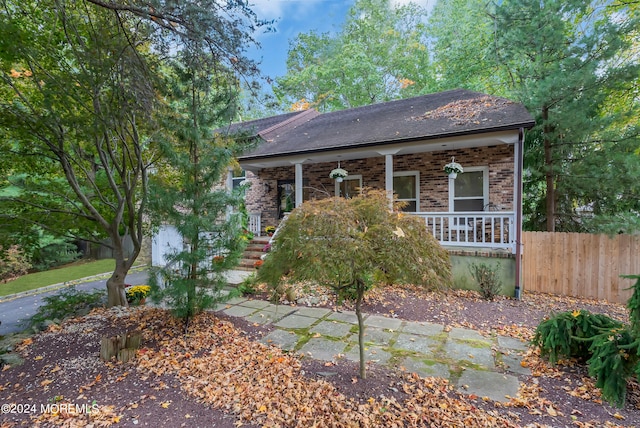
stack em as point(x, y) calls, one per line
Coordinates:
point(55, 254)
point(379, 54)
point(634, 305)
point(343, 244)
point(487, 278)
point(581, 151)
point(13, 263)
point(612, 349)
point(84, 104)
point(68, 303)
point(573, 64)
point(614, 358)
point(569, 334)
point(247, 286)
point(191, 199)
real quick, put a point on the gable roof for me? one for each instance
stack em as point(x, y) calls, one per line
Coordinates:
point(444, 114)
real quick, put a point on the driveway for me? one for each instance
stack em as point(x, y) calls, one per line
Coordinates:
point(15, 313)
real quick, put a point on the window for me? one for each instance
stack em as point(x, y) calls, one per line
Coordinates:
point(238, 176)
point(287, 195)
point(470, 191)
point(406, 185)
point(350, 186)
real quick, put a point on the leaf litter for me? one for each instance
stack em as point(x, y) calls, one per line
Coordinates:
point(258, 385)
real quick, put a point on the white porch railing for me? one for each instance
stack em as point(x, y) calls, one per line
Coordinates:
point(472, 228)
point(255, 223)
point(486, 229)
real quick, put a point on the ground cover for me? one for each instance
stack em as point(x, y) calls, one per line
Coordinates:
point(72, 272)
point(215, 372)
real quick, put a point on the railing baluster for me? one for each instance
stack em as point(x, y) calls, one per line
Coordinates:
point(471, 229)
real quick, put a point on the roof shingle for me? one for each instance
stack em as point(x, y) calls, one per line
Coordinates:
point(443, 114)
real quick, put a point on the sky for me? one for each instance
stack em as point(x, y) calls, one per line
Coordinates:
point(298, 16)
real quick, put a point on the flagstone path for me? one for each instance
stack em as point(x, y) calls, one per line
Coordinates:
point(475, 364)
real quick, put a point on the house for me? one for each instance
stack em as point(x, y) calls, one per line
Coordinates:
point(402, 146)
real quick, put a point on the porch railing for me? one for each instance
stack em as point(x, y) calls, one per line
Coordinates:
point(485, 229)
point(255, 223)
point(472, 228)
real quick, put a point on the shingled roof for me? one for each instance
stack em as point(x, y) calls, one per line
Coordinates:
point(444, 114)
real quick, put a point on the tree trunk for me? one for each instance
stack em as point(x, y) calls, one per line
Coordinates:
point(549, 174)
point(116, 295)
point(363, 366)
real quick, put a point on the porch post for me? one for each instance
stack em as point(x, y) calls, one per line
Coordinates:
point(229, 186)
point(517, 200)
point(388, 177)
point(299, 182)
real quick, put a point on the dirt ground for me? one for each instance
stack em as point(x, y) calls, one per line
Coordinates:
point(212, 372)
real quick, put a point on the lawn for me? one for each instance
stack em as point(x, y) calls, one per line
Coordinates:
point(66, 273)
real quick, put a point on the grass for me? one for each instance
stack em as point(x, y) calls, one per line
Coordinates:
point(66, 273)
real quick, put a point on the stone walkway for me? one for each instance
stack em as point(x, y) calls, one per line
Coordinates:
point(486, 367)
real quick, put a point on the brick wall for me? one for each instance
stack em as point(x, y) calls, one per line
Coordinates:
point(434, 183)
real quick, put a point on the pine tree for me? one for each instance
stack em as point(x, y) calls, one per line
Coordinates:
point(565, 59)
point(187, 191)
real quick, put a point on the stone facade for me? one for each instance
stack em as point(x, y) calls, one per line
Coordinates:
point(262, 197)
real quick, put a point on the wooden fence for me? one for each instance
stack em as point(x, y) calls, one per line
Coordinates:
point(580, 264)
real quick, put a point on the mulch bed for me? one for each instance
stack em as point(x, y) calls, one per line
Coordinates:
point(215, 374)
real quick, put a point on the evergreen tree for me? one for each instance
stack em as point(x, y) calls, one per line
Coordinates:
point(564, 60)
point(186, 189)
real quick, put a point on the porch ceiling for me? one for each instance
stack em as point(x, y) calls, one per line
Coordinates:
point(377, 150)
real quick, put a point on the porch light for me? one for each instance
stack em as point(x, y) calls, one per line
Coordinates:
point(338, 174)
point(453, 168)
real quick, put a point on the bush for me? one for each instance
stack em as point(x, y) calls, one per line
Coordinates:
point(570, 334)
point(487, 278)
point(68, 303)
point(55, 254)
point(612, 348)
point(13, 263)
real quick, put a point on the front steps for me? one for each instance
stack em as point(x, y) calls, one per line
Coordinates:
point(253, 252)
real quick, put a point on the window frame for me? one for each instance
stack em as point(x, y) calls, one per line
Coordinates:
point(354, 177)
point(485, 187)
point(415, 174)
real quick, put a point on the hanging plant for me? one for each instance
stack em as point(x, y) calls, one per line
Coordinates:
point(453, 168)
point(338, 174)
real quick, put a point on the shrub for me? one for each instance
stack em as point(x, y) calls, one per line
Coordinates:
point(59, 252)
point(13, 263)
point(68, 303)
point(612, 348)
point(487, 278)
point(569, 334)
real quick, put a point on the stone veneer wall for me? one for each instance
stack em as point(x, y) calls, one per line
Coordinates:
point(434, 183)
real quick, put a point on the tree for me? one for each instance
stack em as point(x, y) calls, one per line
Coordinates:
point(79, 106)
point(565, 59)
point(187, 193)
point(348, 245)
point(379, 55)
point(574, 65)
point(462, 39)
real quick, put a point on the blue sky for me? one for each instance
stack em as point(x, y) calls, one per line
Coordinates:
point(298, 16)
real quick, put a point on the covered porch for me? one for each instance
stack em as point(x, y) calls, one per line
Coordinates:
point(477, 210)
